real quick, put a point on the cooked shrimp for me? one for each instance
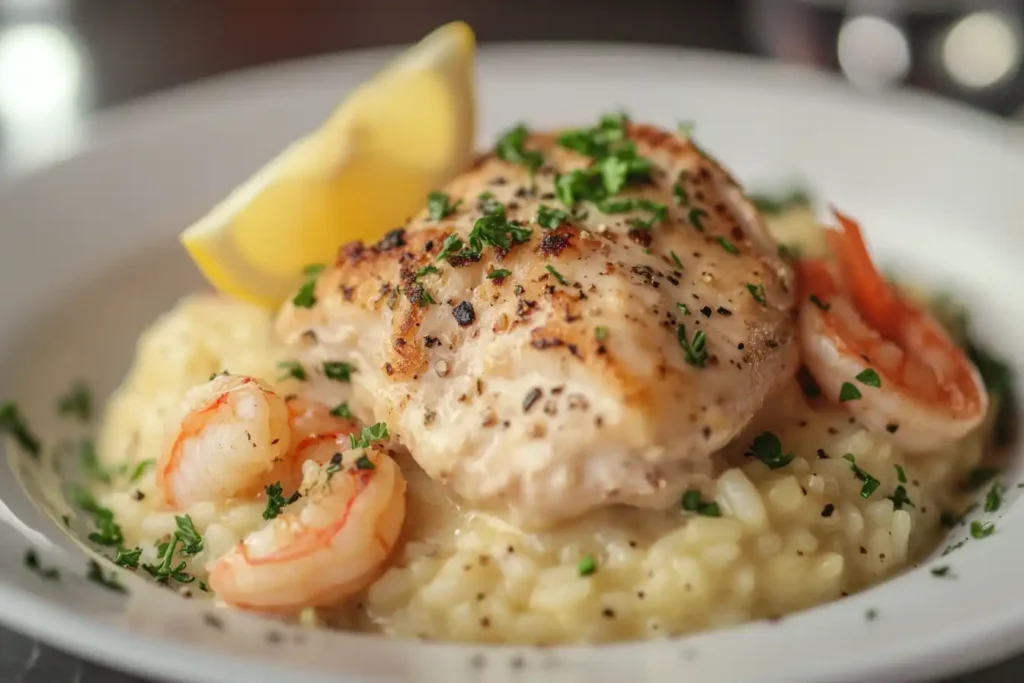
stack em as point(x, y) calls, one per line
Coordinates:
point(855, 327)
point(327, 546)
point(233, 431)
point(316, 434)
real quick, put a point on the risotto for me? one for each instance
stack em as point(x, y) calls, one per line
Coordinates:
point(809, 507)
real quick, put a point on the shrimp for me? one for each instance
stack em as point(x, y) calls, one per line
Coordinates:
point(913, 382)
point(326, 547)
point(317, 434)
point(233, 431)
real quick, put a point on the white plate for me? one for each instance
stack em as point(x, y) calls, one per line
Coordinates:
point(88, 257)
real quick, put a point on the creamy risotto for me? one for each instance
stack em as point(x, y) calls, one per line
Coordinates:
point(817, 509)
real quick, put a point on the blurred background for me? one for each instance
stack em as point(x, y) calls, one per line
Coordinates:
point(61, 61)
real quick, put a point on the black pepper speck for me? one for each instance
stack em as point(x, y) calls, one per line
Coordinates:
point(464, 314)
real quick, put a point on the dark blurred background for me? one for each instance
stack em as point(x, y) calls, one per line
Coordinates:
point(62, 60)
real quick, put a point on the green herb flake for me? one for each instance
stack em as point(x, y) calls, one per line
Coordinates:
point(511, 147)
point(339, 371)
point(900, 498)
point(994, 497)
point(600, 333)
point(368, 435)
point(679, 195)
point(12, 423)
point(66, 520)
point(819, 303)
point(364, 463)
point(869, 378)
point(313, 269)
point(342, 410)
point(499, 274)
point(305, 297)
point(848, 392)
point(727, 245)
point(901, 475)
point(692, 502)
point(980, 530)
point(870, 484)
point(757, 291)
point(276, 501)
point(550, 218)
point(77, 402)
point(978, 477)
point(427, 270)
point(107, 531)
point(683, 308)
point(438, 206)
point(452, 245)
point(191, 544)
point(768, 449)
point(558, 276)
point(32, 563)
point(695, 217)
point(942, 572)
point(128, 557)
point(695, 349)
point(96, 575)
point(90, 462)
point(777, 203)
point(587, 565)
point(293, 369)
point(675, 260)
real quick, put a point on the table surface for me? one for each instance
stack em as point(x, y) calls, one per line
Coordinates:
point(129, 48)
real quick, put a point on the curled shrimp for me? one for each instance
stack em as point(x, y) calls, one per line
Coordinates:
point(326, 547)
point(854, 326)
point(232, 432)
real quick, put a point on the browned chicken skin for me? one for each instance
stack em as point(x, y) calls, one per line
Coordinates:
point(565, 371)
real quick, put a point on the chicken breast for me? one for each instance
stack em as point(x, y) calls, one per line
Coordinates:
point(564, 358)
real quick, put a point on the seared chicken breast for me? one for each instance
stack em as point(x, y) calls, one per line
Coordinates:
point(579, 320)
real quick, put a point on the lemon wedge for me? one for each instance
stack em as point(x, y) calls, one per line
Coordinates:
point(367, 168)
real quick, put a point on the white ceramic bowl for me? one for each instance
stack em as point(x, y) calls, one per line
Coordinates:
point(88, 257)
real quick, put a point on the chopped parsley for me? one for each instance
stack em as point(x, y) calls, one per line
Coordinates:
point(768, 449)
point(587, 565)
point(941, 572)
point(659, 212)
point(900, 498)
point(140, 469)
point(870, 483)
point(550, 218)
point(869, 378)
point(600, 333)
point(599, 141)
point(128, 558)
point(679, 195)
point(107, 531)
point(695, 216)
point(980, 530)
point(77, 402)
point(191, 544)
point(438, 206)
point(276, 501)
point(90, 461)
point(675, 260)
point(558, 276)
point(452, 245)
point(96, 575)
point(683, 308)
point(757, 291)
point(334, 465)
point(338, 370)
point(342, 410)
point(368, 435)
point(305, 297)
point(493, 229)
point(696, 353)
point(364, 463)
point(692, 502)
point(773, 204)
point(819, 303)
point(12, 422)
point(313, 269)
point(978, 477)
point(427, 270)
point(686, 127)
point(994, 497)
point(498, 274)
point(511, 147)
point(848, 392)
point(33, 565)
point(901, 475)
point(727, 245)
point(293, 369)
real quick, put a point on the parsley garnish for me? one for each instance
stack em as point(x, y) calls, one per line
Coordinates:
point(550, 218)
point(292, 368)
point(772, 204)
point(941, 572)
point(275, 501)
point(691, 502)
point(899, 498)
point(981, 530)
point(978, 477)
point(587, 565)
point(107, 532)
point(600, 333)
point(901, 476)
point(452, 245)
point(558, 276)
point(768, 449)
point(870, 483)
point(490, 229)
point(342, 410)
point(368, 435)
point(140, 469)
point(869, 378)
point(498, 274)
point(727, 245)
point(364, 463)
point(305, 297)
point(191, 544)
point(77, 402)
point(339, 371)
point(511, 148)
point(696, 353)
point(819, 303)
point(994, 497)
point(426, 270)
point(96, 575)
point(334, 465)
point(679, 195)
point(658, 210)
point(686, 127)
point(13, 423)
point(599, 141)
point(90, 462)
point(757, 291)
point(438, 206)
point(32, 562)
point(675, 260)
point(128, 558)
point(683, 308)
point(848, 392)
point(313, 269)
point(695, 216)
